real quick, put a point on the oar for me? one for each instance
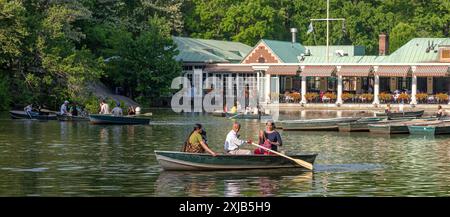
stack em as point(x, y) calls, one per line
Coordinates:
point(234, 116)
point(298, 161)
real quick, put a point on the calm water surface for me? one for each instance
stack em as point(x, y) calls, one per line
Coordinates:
point(78, 159)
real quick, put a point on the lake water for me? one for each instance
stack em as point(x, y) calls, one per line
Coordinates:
point(79, 159)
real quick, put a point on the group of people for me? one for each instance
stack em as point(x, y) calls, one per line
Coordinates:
point(439, 113)
point(237, 108)
point(270, 139)
point(116, 111)
point(71, 109)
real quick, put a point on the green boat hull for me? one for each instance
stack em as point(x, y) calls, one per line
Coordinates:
point(193, 161)
point(430, 130)
point(33, 115)
point(123, 120)
point(71, 118)
point(358, 126)
point(316, 124)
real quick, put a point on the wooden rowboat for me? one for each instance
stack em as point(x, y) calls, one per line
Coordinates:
point(316, 124)
point(249, 116)
point(397, 115)
point(16, 114)
point(71, 118)
point(359, 125)
point(110, 119)
point(432, 129)
point(399, 127)
point(170, 160)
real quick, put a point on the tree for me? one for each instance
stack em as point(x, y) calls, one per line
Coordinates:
point(400, 35)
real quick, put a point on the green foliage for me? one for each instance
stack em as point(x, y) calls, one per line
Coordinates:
point(400, 35)
point(5, 97)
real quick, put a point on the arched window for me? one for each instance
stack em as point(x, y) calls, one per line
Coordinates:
point(261, 60)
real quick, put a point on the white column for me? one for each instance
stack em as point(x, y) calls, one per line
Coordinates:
point(414, 90)
point(339, 90)
point(303, 90)
point(376, 90)
point(267, 88)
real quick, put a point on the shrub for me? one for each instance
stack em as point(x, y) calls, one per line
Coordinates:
point(5, 95)
point(404, 97)
point(442, 97)
point(367, 96)
point(347, 96)
point(385, 97)
point(331, 96)
point(311, 96)
point(296, 96)
point(421, 97)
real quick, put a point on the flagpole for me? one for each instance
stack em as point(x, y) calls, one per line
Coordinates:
point(328, 29)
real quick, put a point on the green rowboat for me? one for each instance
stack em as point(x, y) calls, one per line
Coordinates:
point(71, 118)
point(124, 120)
point(316, 124)
point(170, 160)
point(359, 125)
point(437, 129)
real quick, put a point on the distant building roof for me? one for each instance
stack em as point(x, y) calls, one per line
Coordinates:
point(286, 51)
point(336, 50)
point(210, 51)
point(415, 51)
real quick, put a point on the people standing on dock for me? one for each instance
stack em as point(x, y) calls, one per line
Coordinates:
point(195, 142)
point(63, 109)
point(28, 109)
point(74, 109)
point(440, 113)
point(131, 110)
point(388, 109)
point(117, 111)
point(104, 108)
point(233, 143)
point(269, 138)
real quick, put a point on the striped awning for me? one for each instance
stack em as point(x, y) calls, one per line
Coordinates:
point(392, 71)
point(282, 70)
point(354, 71)
point(318, 71)
point(224, 68)
point(431, 71)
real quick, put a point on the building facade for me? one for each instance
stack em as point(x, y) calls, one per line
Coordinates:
point(418, 72)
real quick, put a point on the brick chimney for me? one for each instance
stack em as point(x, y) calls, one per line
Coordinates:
point(383, 44)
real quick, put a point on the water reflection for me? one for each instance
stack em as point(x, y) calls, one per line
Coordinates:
point(53, 159)
point(233, 183)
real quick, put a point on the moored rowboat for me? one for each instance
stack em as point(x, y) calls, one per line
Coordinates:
point(359, 125)
point(433, 129)
point(110, 119)
point(396, 115)
point(71, 118)
point(15, 114)
point(170, 160)
point(399, 127)
point(316, 124)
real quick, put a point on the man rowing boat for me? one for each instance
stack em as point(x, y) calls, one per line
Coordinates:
point(63, 110)
point(233, 143)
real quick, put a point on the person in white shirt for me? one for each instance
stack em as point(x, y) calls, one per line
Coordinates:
point(104, 108)
point(28, 108)
point(117, 111)
point(63, 110)
point(233, 143)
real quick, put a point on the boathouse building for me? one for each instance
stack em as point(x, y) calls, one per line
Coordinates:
point(419, 69)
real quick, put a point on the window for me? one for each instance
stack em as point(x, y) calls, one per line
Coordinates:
point(404, 83)
point(313, 83)
point(261, 60)
point(445, 54)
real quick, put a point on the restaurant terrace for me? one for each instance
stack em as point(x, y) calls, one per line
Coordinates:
point(289, 72)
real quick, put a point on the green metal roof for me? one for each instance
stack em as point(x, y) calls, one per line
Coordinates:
point(415, 51)
point(350, 50)
point(285, 50)
point(215, 51)
point(344, 59)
